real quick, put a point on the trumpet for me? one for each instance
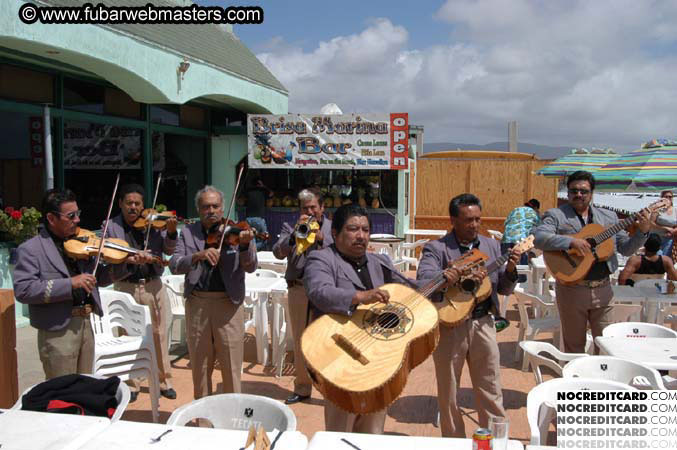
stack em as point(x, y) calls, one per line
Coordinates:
point(304, 233)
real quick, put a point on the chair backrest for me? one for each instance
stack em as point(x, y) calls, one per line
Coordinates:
point(174, 282)
point(534, 351)
point(174, 285)
point(545, 395)
point(264, 273)
point(610, 368)
point(237, 412)
point(122, 396)
point(497, 235)
point(624, 313)
point(638, 330)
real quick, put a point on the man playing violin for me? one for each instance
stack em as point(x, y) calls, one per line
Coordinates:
point(342, 276)
point(474, 339)
point(214, 290)
point(587, 301)
point(143, 282)
point(62, 292)
point(312, 208)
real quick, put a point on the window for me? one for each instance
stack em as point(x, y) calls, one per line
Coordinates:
point(21, 84)
point(165, 114)
point(82, 96)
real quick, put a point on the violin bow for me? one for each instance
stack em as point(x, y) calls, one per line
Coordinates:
point(149, 224)
point(230, 209)
point(105, 227)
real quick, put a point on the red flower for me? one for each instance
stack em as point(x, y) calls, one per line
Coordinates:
point(16, 215)
point(9, 210)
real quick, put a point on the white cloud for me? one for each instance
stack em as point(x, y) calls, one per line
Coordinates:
point(577, 72)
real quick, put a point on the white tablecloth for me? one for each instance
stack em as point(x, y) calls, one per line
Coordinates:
point(659, 353)
point(324, 440)
point(137, 435)
point(264, 284)
point(30, 430)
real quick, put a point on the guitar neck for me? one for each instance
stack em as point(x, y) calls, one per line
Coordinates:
point(433, 285)
point(615, 229)
point(498, 262)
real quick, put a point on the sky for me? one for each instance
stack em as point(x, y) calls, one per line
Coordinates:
point(578, 73)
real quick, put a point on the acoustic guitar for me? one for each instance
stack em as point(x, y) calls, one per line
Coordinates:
point(460, 299)
point(361, 363)
point(570, 266)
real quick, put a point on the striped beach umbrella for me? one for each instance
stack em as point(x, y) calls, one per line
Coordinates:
point(651, 168)
point(577, 160)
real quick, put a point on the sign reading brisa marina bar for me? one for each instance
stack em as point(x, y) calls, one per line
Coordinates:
point(317, 141)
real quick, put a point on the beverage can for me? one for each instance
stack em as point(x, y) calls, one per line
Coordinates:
point(481, 439)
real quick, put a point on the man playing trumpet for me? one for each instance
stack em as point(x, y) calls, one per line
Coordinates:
point(296, 243)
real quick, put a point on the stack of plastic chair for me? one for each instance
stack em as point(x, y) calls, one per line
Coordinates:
point(174, 286)
point(131, 355)
point(122, 396)
point(530, 328)
point(237, 412)
point(282, 339)
point(542, 399)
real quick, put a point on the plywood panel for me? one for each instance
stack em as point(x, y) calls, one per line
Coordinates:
point(9, 382)
point(438, 181)
point(500, 185)
point(443, 223)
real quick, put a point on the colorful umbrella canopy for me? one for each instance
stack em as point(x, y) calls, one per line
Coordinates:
point(577, 160)
point(651, 168)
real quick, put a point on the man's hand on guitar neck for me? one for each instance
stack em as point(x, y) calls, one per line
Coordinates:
point(644, 221)
point(515, 255)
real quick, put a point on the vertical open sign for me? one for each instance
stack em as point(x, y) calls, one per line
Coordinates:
point(37, 141)
point(399, 140)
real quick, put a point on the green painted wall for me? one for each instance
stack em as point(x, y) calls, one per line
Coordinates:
point(227, 151)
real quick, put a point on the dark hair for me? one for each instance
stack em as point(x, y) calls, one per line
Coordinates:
point(131, 188)
point(653, 243)
point(582, 175)
point(53, 199)
point(665, 192)
point(315, 191)
point(533, 203)
point(345, 212)
point(463, 200)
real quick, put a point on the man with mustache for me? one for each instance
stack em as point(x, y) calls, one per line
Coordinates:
point(214, 290)
point(342, 276)
point(473, 340)
point(143, 283)
point(61, 292)
point(312, 206)
point(587, 301)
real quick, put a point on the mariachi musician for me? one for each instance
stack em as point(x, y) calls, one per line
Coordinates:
point(60, 291)
point(474, 339)
point(311, 232)
point(143, 282)
point(214, 291)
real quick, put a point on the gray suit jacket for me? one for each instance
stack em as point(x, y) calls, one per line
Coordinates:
point(296, 263)
point(331, 282)
point(158, 242)
point(557, 223)
point(437, 254)
point(42, 281)
point(232, 264)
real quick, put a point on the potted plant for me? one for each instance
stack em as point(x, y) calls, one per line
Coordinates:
point(17, 226)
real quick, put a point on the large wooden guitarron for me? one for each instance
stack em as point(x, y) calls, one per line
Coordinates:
point(570, 266)
point(460, 299)
point(361, 363)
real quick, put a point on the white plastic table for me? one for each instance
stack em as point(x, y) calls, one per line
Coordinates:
point(269, 258)
point(538, 270)
point(137, 435)
point(259, 289)
point(410, 235)
point(41, 430)
point(325, 440)
point(659, 353)
point(654, 298)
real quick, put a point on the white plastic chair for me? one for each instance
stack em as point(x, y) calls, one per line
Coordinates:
point(264, 273)
point(530, 328)
point(408, 251)
point(621, 312)
point(533, 353)
point(174, 286)
point(638, 330)
point(614, 369)
point(281, 339)
point(122, 396)
point(130, 356)
point(237, 412)
point(496, 235)
point(542, 399)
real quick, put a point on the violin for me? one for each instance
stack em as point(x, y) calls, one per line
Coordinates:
point(233, 230)
point(157, 220)
point(114, 251)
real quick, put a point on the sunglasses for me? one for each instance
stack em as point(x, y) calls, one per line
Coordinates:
point(70, 215)
point(579, 191)
point(667, 196)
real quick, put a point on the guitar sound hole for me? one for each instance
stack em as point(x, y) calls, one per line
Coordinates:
point(388, 320)
point(468, 285)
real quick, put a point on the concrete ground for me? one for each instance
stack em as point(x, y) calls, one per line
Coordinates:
point(411, 414)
